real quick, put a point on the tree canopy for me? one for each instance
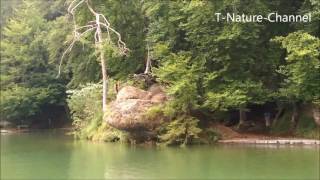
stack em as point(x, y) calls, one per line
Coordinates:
point(204, 64)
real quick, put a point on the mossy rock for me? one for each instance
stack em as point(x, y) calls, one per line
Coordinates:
point(128, 111)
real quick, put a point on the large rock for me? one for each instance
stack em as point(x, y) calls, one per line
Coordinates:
point(127, 112)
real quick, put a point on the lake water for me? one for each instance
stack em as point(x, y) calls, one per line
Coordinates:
point(52, 155)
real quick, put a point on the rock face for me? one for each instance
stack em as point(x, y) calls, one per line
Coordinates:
point(127, 112)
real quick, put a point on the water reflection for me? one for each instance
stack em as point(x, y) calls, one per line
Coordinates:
point(59, 157)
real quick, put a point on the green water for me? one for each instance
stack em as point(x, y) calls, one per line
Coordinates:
point(55, 156)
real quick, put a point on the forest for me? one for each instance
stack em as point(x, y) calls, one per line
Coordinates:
point(255, 76)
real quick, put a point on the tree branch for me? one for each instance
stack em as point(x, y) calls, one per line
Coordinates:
point(91, 26)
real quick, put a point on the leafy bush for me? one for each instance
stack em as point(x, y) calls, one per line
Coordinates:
point(85, 104)
point(137, 82)
point(184, 130)
point(209, 136)
point(307, 128)
point(20, 103)
point(154, 113)
point(301, 72)
point(283, 125)
point(109, 134)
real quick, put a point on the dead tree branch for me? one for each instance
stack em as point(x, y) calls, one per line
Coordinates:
point(97, 26)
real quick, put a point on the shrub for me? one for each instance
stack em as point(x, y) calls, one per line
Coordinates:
point(307, 128)
point(209, 136)
point(107, 133)
point(183, 128)
point(85, 105)
point(154, 113)
point(182, 131)
point(20, 103)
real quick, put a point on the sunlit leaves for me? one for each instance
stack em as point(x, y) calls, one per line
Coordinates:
point(302, 70)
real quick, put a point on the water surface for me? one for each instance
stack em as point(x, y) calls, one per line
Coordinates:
point(49, 155)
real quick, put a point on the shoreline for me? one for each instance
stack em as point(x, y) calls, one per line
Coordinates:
point(274, 141)
point(30, 130)
point(267, 140)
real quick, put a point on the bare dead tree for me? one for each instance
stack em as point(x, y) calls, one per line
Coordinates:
point(99, 25)
point(148, 63)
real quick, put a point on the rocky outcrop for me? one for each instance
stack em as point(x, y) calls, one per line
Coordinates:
point(127, 112)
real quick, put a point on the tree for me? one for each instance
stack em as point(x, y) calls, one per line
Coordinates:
point(96, 25)
point(25, 68)
point(7, 8)
point(301, 70)
point(233, 60)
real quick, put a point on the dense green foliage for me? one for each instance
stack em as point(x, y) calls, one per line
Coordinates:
point(181, 131)
point(206, 66)
point(306, 127)
point(302, 71)
point(28, 80)
point(85, 105)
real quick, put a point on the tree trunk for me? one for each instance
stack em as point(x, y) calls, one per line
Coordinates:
point(116, 87)
point(267, 123)
point(294, 116)
point(148, 63)
point(104, 82)
point(186, 135)
point(316, 114)
point(275, 120)
point(82, 30)
point(103, 66)
point(242, 116)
